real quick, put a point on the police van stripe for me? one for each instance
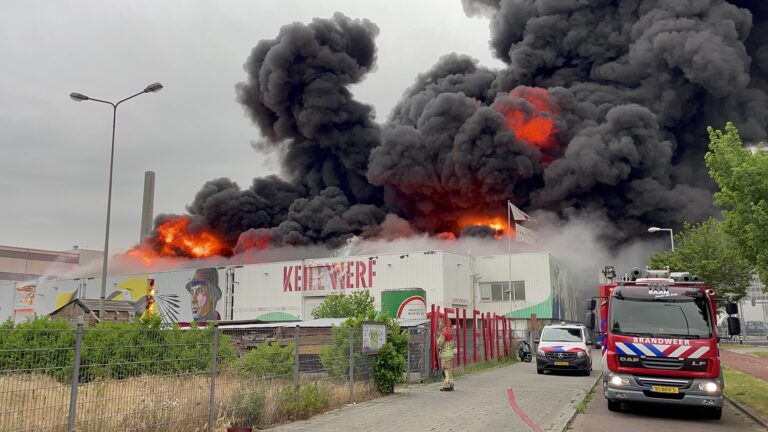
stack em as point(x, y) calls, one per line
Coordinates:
point(699, 352)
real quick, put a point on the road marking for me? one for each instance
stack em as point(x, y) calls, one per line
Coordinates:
point(520, 412)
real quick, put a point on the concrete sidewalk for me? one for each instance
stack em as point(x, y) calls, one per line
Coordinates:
point(479, 403)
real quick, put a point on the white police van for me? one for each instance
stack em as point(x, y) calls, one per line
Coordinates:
point(564, 347)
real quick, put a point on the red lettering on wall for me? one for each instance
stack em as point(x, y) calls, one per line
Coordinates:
point(333, 274)
point(319, 278)
point(287, 270)
point(297, 277)
point(371, 272)
point(349, 275)
point(359, 273)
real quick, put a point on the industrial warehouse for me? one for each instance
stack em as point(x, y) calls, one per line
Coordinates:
point(404, 284)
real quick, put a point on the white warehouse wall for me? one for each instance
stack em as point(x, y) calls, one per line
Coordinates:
point(290, 290)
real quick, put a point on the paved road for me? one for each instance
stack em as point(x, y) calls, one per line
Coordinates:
point(597, 418)
point(749, 364)
point(480, 403)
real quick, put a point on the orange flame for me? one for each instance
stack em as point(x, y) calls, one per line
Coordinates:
point(174, 238)
point(536, 127)
point(497, 223)
point(142, 253)
point(446, 236)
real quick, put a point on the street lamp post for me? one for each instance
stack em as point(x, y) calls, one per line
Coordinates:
point(671, 235)
point(78, 97)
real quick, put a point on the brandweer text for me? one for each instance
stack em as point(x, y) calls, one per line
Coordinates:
point(661, 341)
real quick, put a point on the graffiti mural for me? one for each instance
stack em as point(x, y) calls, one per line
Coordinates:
point(205, 294)
point(136, 290)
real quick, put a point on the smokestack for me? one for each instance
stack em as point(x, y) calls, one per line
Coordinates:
point(147, 204)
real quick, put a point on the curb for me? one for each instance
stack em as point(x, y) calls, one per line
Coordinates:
point(756, 417)
point(571, 411)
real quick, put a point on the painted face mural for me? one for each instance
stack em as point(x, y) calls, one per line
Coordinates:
point(205, 292)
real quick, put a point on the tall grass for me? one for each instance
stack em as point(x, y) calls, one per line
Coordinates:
point(153, 403)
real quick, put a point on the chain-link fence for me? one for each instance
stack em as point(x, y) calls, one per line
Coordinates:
point(176, 379)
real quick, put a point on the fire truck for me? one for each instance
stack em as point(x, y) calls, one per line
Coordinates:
point(658, 336)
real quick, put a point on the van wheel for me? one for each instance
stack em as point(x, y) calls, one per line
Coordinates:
point(614, 406)
point(715, 413)
point(539, 371)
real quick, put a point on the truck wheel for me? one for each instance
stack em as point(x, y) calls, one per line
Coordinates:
point(715, 413)
point(614, 406)
point(539, 371)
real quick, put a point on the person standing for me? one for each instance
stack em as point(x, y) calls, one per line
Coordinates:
point(445, 344)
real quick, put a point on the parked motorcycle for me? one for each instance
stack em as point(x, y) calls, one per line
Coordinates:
point(524, 352)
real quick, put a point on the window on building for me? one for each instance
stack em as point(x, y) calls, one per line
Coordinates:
point(499, 291)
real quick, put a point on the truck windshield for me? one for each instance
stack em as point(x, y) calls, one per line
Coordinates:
point(553, 334)
point(681, 317)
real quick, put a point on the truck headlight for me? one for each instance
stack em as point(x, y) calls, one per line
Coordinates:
point(709, 387)
point(581, 354)
point(619, 380)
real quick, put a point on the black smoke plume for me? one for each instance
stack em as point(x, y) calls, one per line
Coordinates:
point(628, 86)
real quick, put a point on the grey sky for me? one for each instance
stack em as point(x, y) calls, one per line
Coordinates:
point(56, 151)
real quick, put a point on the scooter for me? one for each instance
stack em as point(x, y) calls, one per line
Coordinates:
point(524, 352)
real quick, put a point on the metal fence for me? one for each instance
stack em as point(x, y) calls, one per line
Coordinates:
point(197, 379)
point(160, 379)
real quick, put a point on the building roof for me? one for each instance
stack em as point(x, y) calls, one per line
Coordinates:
point(91, 305)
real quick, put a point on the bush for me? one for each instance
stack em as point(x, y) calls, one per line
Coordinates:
point(303, 401)
point(335, 357)
point(267, 361)
point(389, 364)
point(249, 406)
point(109, 350)
point(41, 345)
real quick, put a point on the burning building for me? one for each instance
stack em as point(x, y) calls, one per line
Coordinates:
point(600, 111)
point(404, 284)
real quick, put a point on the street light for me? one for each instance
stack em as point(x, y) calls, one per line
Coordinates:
point(671, 235)
point(79, 97)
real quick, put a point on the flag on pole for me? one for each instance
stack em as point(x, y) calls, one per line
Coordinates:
point(523, 234)
point(518, 214)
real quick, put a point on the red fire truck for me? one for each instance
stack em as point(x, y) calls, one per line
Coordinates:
point(658, 336)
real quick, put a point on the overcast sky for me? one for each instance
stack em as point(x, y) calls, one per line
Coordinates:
point(55, 155)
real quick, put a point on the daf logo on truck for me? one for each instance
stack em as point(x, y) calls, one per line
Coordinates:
point(659, 339)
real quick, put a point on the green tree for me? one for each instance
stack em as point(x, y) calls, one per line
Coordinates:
point(709, 252)
point(358, 303)
point(742, 177)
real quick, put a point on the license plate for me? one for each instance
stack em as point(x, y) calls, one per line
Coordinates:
point(665, 389)
point(561, 363)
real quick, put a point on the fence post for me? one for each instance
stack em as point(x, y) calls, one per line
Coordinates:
point(296, 339)
point(75, 378)
point(408, 360)
point(351, 365)
point(212, 398)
